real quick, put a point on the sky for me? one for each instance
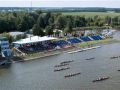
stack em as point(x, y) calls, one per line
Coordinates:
point(60, 3)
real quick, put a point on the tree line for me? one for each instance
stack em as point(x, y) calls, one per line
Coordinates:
point(43, 23)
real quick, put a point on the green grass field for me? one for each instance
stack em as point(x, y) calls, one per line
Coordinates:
point(82, 45)
point(91, 14)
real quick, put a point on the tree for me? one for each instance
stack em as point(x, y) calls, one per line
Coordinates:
point(30, 20)
point(9, 37)
point(11, 19)
point(116, 21)
point(23, 21)
point(46, 18)
point(38, 12)
point(82, 21)
point(68, 28)
point(34, 15)
point(60, 22)
point(40, 21)
point(51, 20)
point(76, 21)
point(3, 25)
point(98, 21)
point(37, 30)
point(108, 20)
point(23, 26)
point(49, 30)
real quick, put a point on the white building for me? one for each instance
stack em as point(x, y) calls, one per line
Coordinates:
point(4, 47)
point(16, 33)
point(108, 32)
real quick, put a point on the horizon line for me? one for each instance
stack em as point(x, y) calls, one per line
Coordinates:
point(52, 7)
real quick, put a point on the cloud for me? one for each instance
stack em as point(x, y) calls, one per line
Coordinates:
point(60, 3)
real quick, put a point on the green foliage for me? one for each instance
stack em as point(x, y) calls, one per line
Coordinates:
point(9, 37)
point(26, 23)
point(38, 12)
point(92, 14)
point(60, 22)
point(68, 28)
point(51, 21)
point(46, 18)
point(49, 30)
point(37, 30)
point(39, 21)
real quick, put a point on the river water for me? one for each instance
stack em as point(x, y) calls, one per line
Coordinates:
point(39, 74)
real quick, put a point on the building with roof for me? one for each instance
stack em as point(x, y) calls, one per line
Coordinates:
point(14, 34)
point(4, 47)
point(33, 39)
point(34, 44)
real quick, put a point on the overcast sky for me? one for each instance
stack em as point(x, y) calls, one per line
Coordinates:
point(60, 3)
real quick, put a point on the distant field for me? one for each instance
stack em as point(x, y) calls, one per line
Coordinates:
point(91, 14)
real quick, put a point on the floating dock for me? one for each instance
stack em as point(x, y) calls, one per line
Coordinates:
point(81, 50)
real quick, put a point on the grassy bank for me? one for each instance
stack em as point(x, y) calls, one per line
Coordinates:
point(90, 43)
point(40, 55)
point(92, 14)
point(56, 52)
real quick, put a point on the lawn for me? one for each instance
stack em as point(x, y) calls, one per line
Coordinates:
point(91, 14)
point(90, 43)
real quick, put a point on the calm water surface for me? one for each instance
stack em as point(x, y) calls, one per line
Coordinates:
point(39, 74)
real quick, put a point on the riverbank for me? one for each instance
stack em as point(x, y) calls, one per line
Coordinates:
point(96, 42)
point(38, 55)
point(78, 46)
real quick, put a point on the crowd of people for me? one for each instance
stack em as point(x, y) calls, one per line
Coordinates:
point(50, 45)
point(38, 46)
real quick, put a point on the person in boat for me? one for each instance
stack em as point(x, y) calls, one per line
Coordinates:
point(62, 69)
point(114, 57)
point(70, 75)
point(66, 62)
point(101, 79)
point(90, 58)
point(61, 65)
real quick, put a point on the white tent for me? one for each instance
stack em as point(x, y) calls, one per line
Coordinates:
point(34, 39)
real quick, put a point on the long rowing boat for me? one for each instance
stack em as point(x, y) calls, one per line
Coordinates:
point(65, 62)
point(101, 79)
point(61, 69)
point(61, 65)
point(90, 58)
point(71, 75)
point(114, 57)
